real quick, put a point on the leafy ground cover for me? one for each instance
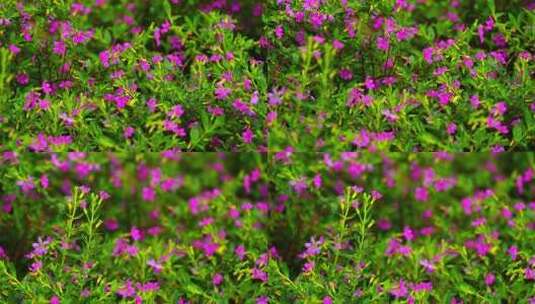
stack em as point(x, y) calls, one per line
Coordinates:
point(131, 75)
point(255, 228)
point(401, 75)
point(225, 75)
point(281, 151)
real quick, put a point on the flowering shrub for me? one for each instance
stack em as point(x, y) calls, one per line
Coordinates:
point(250, 228)
point(400, 75)
point(104, 105)
point(246, 75)
point(101, 75)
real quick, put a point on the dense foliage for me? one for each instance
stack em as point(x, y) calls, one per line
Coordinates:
point(129, 75)
point(267, 151)
point(227, 75)
point(401, 75)
point(282, 228)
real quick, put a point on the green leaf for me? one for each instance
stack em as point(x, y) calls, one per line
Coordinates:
point(492, 7)
point(194, 136)
point(518, 133)
point(167, 9)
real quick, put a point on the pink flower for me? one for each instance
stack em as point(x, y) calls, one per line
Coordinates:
point(44, 181)
point(127, 291)
point(14, 49)
point(452, 128)
point(136, 234)
point(59, 48)
point(222, 93)
point(308, 266)
point(345, 74)
point(247, 136)
point(382, 43)
point(148, 194)
point(400, 291)
point(370, 83)
point(408, 234)
point(428, 55)
point(36, 266)
point(54, 300)
point(279, 32)
point(338, 45)
point(421, 194)
point(104, 58)
point(512, 251)
point(217, 279)
point(258, 274)
point(489, 279)
point(240, 252)
point(262, 300)
point(22, 78)
point(474, 101)
point(128, 132)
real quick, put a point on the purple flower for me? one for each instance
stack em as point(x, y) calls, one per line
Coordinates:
point(428, 54)
point(222, 92)
point(489, 279)
point(262, 300)
point(421, 194)
point(258, 274)
point(400, 291)
point(383, 43)
point(345, 74)
point(148, 194)
point(240, 252)
point(128, 132)
point(428, 265)
point(408, 234)
point(136, 234)
point(452, 128)
point(156, 267)
point(217, 279)
point(308, 266)
point(59, 48)
point(512, 251)
point(127, 291)
point(36, 266)
point(14, 49)
point(247, 136)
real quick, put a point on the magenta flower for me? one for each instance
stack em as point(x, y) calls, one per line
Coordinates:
point(258, 274)
point(383, 43)
point(421, 194)
point(222, 93)
point(36, 266)
point(14, 49)
point(489, 279)
point(127, 291)
point(452, 128)
point(136, 234)
point(408, 234)
point(247, 136)
point(513, 252)
point(148, 194)
point(262, 300)
point(400, 291)
point(217, 279)
point(128, 132)
point(59, 48)
point(240, 252)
